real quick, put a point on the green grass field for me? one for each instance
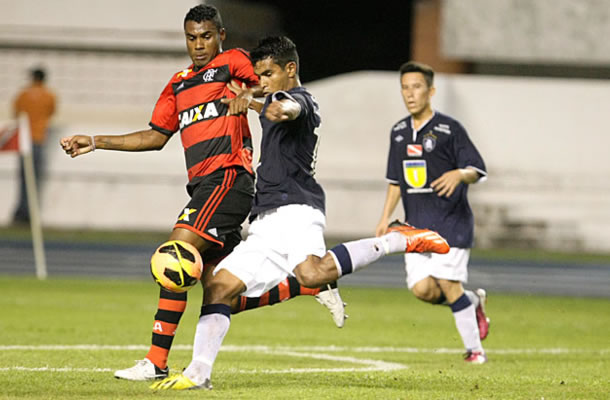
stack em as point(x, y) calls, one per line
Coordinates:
point(64, 338)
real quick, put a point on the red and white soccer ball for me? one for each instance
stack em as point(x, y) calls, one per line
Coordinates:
point(176, 266)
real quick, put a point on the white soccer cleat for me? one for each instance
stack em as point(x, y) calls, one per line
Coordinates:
point(331, 299)
point(144, 370)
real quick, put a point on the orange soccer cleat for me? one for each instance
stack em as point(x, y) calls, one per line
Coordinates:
point(420, 240)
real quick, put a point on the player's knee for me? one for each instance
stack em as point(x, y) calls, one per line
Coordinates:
point(424, 293)
point(221, 290)
point(307, 277)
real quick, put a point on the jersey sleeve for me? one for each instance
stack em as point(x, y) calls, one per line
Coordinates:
point(467, 155)
point(295, 97)
point(165, 115)
point(242, 69)
point(394, 164)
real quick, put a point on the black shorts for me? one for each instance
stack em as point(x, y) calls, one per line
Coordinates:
point(220, 203)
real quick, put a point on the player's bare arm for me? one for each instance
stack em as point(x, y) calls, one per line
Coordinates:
point(145, 140)
point(391, 200)
point(446, 184)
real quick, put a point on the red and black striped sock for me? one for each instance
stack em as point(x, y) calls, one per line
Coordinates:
point(287, 289)
point(170, 310)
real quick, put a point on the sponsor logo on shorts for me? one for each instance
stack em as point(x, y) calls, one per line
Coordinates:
point(185, 214)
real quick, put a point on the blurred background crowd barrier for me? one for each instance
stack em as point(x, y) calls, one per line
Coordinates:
point(529, 81)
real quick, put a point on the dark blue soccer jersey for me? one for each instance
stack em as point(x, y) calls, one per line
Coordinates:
point(415, 161)
point(285, 174)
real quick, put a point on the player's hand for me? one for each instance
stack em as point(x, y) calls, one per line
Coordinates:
point(447, 183)
point(242, 100)
point(77, 145)
point(275, 112)
point(382, 227)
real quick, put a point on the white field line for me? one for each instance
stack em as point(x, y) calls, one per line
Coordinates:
point(315, 352)
point(367, 365)
point(320, 349)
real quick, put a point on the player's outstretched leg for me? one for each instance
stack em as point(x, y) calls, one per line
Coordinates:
point(328, 296)
point(351, 256)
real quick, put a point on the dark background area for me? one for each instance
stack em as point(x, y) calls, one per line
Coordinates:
point(335, 37)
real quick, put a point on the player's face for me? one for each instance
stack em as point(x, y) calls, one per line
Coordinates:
point(273, 77)
point(416, 93)
point(203, 41)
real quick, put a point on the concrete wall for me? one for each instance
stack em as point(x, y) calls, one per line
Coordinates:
point(527, 31)
point(544, 141)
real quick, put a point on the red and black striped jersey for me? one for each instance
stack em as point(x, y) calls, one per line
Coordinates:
point(191, 102)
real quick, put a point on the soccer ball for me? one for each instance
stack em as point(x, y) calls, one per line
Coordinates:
point(176, 266)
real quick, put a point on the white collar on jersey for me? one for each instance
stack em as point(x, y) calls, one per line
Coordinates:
point(415, 132)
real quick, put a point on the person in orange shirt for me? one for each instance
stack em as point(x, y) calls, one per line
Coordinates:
point(38, 103)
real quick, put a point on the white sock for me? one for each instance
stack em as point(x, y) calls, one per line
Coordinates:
point(211, 330)
point(355, 255)
point(395, 242)
point(474, 299)
point(466, 323)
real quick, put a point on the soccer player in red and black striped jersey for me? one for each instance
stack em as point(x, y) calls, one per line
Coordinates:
point(217, 148)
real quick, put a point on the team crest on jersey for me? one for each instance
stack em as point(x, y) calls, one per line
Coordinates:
point(415, 173)
point(429, 141)
point(414, 150)
point(208, 76)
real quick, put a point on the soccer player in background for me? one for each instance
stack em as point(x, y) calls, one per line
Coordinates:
point(286, 235)
point(218, 153)
point(431, 162)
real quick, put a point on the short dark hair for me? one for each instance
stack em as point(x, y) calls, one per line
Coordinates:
point(280, 49)
point(204, 12)
point(38, 74)
point(414, 66)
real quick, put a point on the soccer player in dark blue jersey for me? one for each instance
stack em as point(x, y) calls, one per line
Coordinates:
point(430, 165)
point(287, 217)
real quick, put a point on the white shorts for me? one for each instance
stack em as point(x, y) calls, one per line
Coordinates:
point(278, 240)
point(452, 266)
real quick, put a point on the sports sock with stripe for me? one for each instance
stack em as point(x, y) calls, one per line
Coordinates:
point(170, 309)
point(466, 323)
point(351, 256)
point(287, 289)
